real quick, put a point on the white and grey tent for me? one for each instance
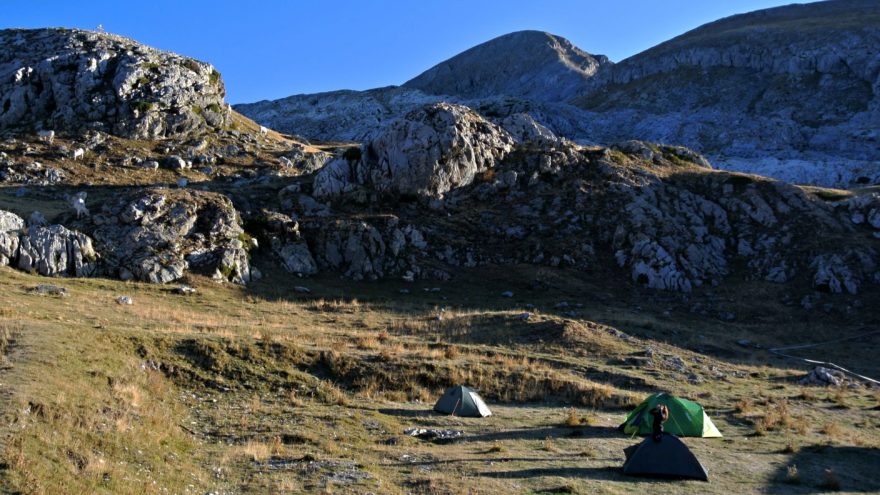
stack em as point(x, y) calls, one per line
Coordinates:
point(462, 401)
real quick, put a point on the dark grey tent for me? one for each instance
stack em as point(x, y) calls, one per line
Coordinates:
point(462, 401)
point(667, 457)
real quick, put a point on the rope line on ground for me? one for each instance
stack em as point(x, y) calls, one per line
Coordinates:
point(777, 351)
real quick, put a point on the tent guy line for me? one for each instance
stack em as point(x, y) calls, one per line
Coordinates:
point(777, 351)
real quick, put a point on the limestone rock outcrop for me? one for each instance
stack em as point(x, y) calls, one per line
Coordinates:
point(72, 80)
point(287, 243)
point(56, 250)
point(157, 235)
point(366, 249)
point(427, 153)
point(10, 225)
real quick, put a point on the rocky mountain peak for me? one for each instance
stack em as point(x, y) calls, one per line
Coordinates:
point(528, 64)
point(71, 80)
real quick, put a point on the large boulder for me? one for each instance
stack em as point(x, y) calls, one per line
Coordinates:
point(427, 153)
point(10, 221)
point(525, 129)
point(435, 149)
point(73, 80)
point(10, 225)
point(56, 250)
point(158, 234)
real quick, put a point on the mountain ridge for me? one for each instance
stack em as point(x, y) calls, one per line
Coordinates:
point(763, 99)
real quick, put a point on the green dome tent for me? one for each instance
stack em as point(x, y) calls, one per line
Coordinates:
point(462, 401)
point(686, 418)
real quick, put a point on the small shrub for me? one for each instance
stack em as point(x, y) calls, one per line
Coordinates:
point(790, 447)
point(246, 240)
point(214, 77)
point(213, 107)
point(617, 157)
point(142, 106)
point(190, 64)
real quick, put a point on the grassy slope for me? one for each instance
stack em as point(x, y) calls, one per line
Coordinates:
point(255, 390)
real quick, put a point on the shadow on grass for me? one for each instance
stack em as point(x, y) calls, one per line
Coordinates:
point(547, 432)
point(607, 473)
point(411, 413)
point(823, 468)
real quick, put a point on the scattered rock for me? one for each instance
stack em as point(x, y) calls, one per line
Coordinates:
point(175, 162)
point(823, 377)
point(125, 300)
point(434, 434)
point(49, 290)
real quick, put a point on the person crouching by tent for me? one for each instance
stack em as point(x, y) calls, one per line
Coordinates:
point(661, 414)
point(662, 455)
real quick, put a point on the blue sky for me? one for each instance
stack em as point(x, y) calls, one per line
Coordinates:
point(272, 49)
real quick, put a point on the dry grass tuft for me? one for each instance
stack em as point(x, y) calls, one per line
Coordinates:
point(833, 430)
point(808, 395)
point(549, 446)
point(451, 352)
point(573, 419)
point(256, 451)
point(792, 477)
point(744, 406)
point(775, 417)
point(839, 398)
